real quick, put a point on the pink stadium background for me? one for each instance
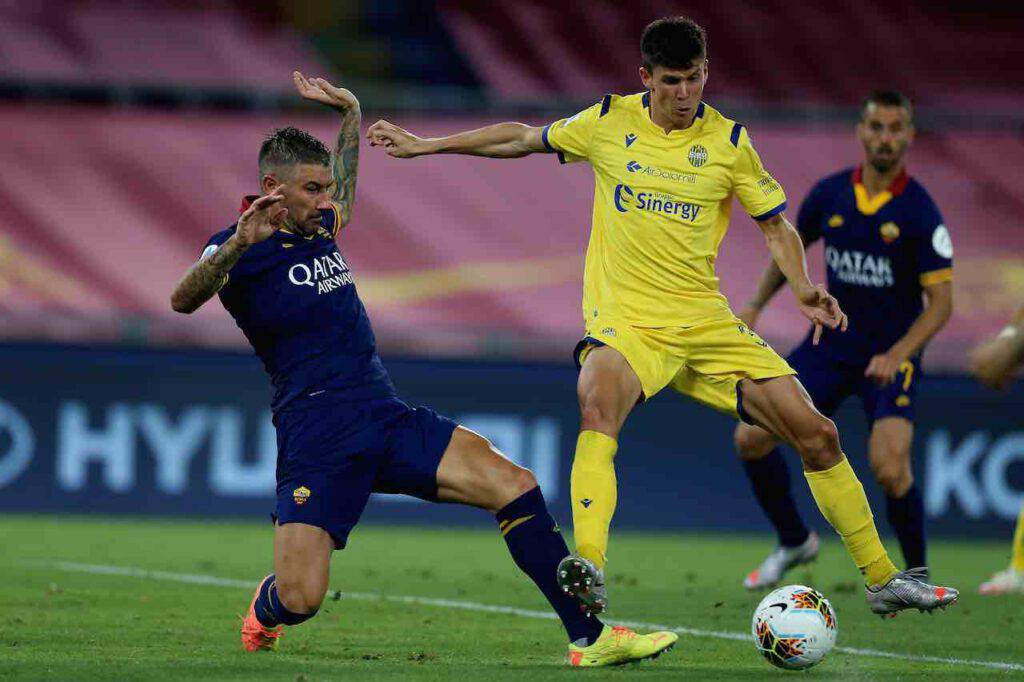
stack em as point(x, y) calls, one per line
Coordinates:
point(105, 207)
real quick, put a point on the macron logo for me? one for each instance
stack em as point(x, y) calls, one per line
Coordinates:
point(630, 139)
point(586, 502)
point(633, 166)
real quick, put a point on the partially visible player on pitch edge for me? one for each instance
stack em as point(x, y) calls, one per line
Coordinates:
point(666, 167)
point(886, 248)
point(993, 363)
point(342, 432)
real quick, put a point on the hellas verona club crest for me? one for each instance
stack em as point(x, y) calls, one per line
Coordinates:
point(300, 495)
point(698, 155)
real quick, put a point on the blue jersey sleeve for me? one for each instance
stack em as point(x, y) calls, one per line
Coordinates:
point(811, 214)
point(933, 244)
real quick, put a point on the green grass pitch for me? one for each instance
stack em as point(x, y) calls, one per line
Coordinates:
point(59, 622)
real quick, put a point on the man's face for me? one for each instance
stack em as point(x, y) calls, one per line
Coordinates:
point(675, 93)
point(307, 191)
point(885, 132)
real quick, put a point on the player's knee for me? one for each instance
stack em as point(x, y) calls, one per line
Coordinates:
point(819, 445)
point(596, 417)
point(300, 597)
point(517, 482)
point(752, 442)
point(895, 479)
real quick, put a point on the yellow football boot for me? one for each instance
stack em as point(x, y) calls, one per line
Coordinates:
point(618, 645)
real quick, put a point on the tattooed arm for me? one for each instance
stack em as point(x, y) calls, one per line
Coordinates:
point(346, 150)
point(204, 279)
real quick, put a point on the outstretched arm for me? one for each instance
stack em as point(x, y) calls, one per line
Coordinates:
point(206, 277)
point(499, 141)
point(345, 161)
point(787, 249)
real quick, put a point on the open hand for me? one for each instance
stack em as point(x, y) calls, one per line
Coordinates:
point(264, 217)
point(396, 141)
point(822, 309)
point(319, 90)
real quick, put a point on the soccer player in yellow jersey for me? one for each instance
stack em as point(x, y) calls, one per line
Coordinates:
point(666, 168)
point(993, 363)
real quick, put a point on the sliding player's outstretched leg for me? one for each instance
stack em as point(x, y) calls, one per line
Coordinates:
point(473, 472)
point(781, 406)
point(608, 388)
point(294, 592)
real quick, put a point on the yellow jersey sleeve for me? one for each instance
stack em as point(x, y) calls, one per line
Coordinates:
point(570, 137)
point(760, 194)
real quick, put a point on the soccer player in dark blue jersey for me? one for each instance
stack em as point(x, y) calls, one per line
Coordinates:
point(889, 260)
point(342, 432)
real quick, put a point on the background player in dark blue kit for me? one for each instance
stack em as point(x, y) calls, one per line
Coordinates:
point(342, 432)
point(889, 262)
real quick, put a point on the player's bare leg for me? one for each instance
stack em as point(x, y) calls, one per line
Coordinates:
point(607, 390)
point(782, 406)
point(302, 556)
point(889, 454)
point(473, 472)
point(755, 445)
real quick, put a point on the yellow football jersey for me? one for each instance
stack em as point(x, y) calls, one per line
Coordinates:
point(661, 207)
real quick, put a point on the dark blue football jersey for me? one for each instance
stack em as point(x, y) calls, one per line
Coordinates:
point(296, 302)
point(879, 254)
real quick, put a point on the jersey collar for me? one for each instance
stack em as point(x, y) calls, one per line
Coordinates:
point(872, 205)
point(698, 118)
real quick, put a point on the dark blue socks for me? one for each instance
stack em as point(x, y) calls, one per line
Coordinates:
point(906, 516)
point(536, 545)
point(269, 609)
point(769, 477)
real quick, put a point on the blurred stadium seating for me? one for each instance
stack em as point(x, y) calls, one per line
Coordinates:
point(106, 205)
point(942, 54)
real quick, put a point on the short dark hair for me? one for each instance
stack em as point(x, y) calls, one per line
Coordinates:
point(291, 146)
point(673, 42)
point(887, 98)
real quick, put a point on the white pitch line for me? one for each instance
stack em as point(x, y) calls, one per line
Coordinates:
point(195, 579)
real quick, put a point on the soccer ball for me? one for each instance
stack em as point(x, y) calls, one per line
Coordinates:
point(794, 627)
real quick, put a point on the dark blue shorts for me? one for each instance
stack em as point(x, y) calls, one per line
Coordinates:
point(331, 455)
point(829, 382)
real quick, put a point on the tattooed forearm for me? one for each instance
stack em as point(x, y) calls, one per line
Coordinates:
point(345, 163)
point(205, 278)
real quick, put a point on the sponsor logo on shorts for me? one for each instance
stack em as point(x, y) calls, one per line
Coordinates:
point(300, 495)
point(835, 221)
point(744, 329)
point(586, 502)
point(608, 331)
point(903, 401)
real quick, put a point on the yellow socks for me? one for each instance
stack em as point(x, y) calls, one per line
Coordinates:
point(594, 494)
point(841, 499)
point(1018, 544)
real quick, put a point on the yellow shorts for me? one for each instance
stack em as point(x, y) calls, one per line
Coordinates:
point(705, 361)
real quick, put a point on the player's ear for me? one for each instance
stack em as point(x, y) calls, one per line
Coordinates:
point(646, 77)
point(268, 183)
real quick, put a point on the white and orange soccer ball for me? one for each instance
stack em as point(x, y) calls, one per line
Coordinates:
point(794, 627)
